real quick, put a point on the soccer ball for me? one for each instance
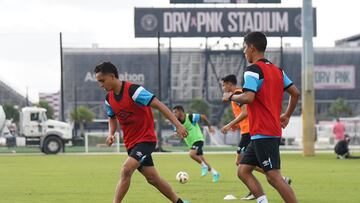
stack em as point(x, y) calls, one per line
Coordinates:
point(182, 177)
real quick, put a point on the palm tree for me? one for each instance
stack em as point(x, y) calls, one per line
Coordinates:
point(81, 116)
point(11, 112)
point(199, 106)
point(49, 109)
point(340, 108)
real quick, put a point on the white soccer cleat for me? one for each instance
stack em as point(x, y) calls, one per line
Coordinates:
point(249, 196)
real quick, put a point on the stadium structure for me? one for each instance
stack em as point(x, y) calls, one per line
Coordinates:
point(189, 73)
point(8, 95)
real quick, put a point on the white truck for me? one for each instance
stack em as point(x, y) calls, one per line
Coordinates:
point(36, 130)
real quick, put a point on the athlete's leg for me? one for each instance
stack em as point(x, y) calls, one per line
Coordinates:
point(275, 178)
point(154, 179)
point(246, 176)
point(194, 156)
point(130, 165)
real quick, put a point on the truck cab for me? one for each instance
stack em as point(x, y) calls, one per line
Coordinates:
point(37, 129)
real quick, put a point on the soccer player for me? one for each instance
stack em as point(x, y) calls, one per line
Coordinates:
point(130, 105)
point(241, 119)
point(195, 139)
point(229, 85)
point(264, 86)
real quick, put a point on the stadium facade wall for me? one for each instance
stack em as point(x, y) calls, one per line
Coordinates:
point(189, 78)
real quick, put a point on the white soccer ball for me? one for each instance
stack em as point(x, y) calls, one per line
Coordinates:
point(182, 177)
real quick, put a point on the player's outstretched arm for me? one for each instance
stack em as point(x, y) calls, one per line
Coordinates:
point(243, 113)
point(207, 122)
point(293, 99)
point(112, 129)
point(238, 119)
point(180, 129)
point(244, 98)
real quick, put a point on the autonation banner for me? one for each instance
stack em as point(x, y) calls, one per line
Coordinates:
point(218, 22)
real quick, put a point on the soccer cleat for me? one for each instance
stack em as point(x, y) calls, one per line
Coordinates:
point(185, 201)
point(216, 177)
point(204, 170)
point(287, 180)
point(249, 196)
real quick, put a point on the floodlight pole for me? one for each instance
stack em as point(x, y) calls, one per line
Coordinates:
point(170, 74)
point(307, 81)
point(159, 95)
point(61, 80)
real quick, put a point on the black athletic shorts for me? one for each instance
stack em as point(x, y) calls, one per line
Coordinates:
point(244, 142)
point(142, 153)
point(198, 145)
point(263, 153)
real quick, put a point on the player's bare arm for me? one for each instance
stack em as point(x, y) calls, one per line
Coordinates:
point(244, 98)
point(180, 129)
point(207, 122)
point(237, 120)
point(293, 99)
point(112, 129)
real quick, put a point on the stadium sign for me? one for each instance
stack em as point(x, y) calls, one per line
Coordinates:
point(334, 77)
point(218, 22)
point(133, 78)
point(223, 1)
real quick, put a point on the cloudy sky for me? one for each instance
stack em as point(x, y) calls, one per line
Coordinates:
point(29, 33)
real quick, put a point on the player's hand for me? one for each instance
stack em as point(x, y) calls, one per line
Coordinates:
point(181, 131)
point(110, 140)
point(226, 96)
point(238, 159)
point(225, 129)
point(211, 130)
point(284, 120)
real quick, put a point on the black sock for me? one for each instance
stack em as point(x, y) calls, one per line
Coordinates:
point(179, 201)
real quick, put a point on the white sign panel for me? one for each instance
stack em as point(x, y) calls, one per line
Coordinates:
point(334, 77)
point(218, 22)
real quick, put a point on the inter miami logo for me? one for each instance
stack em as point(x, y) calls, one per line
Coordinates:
point(298, 22)
point(149, 22)
point(123, 115)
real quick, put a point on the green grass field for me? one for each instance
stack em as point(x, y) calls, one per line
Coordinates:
point(92, 178)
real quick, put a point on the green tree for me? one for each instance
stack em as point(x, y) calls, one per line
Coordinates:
point(340, 108)
point(49, 109)
point(81, 116)
point(199, 106)
point(11, 112)
point(227, 117)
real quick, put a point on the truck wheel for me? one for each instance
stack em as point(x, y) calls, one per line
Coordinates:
point(52, 145)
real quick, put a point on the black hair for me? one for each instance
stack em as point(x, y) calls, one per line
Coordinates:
point(230, 78)
point(179, 107)
point(257, 39)
point(106, 67)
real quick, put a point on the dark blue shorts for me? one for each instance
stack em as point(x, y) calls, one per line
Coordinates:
point(142, 153)
point(244, 142)
point(198, 146)
point(263, 153)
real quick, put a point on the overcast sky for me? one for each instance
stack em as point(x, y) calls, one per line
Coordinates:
point(29, 33)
